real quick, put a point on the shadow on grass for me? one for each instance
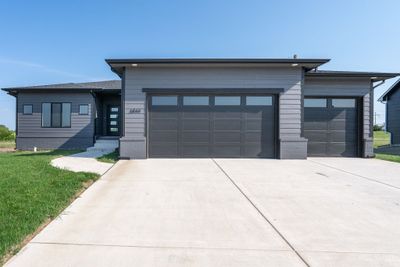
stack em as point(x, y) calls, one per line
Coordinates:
point(46, 153)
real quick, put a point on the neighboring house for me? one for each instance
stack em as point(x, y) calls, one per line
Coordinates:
point(268, 108)
point(392, 99)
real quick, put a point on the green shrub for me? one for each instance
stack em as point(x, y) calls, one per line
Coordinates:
point(6, 134)
point(378, 127)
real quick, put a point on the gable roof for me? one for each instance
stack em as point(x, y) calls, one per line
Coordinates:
point(102, 85)
point(117, 65)
point(391, 90)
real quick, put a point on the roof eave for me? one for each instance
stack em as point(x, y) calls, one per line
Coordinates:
point(384, 96)
point(117, 65)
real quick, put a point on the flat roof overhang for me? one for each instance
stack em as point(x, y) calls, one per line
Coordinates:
point(118, 65)
point(374, 76)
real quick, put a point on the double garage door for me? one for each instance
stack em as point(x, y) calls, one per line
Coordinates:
point(212, 126)
point(331, 126)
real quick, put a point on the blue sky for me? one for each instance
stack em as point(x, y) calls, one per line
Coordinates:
point(67, 41)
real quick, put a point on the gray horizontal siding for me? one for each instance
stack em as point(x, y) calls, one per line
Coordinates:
point(393, 116)
point(28, 143)
point(29, 126)
point(209, 78)
point(324, 86)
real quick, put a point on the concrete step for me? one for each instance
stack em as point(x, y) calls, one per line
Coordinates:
point(106, 146)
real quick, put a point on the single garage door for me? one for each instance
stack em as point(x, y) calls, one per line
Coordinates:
point(212, 126)
point(331, 126)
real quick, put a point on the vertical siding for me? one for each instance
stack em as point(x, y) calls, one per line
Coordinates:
point(208, 78)
point(393, 116)
point(29, 126)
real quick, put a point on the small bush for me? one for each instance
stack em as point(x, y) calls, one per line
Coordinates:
point(378, 127)
point(6, 134)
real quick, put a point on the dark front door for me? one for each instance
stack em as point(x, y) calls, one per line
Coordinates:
point(113, 120)
point(331, 126)
point(212, 126)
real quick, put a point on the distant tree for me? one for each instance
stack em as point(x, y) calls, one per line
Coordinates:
point(378, 127)
point(6, 134)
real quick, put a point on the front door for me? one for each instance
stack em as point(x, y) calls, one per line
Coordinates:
point(113, 120)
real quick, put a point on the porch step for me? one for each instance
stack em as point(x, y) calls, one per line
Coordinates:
point(104, 145)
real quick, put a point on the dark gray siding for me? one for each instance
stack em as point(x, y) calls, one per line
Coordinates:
point(393, 116)
point(133, 144)
point(31, 134)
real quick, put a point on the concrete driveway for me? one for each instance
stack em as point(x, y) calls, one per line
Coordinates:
point(227, 212)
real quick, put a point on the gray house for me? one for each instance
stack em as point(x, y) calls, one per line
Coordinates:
point(268, 108)
point(392, 99)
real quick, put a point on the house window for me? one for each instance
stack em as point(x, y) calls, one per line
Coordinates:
point(259, 100)
point(28, 109)
point(196, 101)
point(343, 103)
point(227, 100)
point(164, 100)
point(56, 115)
point(315, 103)
point(84, 109)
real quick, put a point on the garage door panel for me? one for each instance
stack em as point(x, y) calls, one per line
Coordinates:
point(164, 124)
point(195, 115)
point(317, 136)
point(342, 136)
point(232, 150)
point(164, 136)
point(341, 149)
point(196, 136)
point(227, 124)
point(227, 136)
point(164, 149)
point(260, 113)
point(196, 124)
point(212, 131)
point(343, 125)
point(220, 114)
point(332, 131)
point(317, 148)
point(311, 125)
point(195, 150)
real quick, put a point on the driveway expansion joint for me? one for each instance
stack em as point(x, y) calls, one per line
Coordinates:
point(262, 214)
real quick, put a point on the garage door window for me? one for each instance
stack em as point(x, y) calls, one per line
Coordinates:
point(258, 100)
point(164, 100)
point(343, 103)
point(196, 101)
point(227, 100)
point(315, 103)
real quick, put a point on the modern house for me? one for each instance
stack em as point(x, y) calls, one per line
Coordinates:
point(268, 108)
point(392, 99)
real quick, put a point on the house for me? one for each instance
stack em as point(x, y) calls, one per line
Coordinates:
point(268, 108)
point(392, 99)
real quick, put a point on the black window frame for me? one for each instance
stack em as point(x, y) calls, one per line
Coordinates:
point(23, 109)
point(61, 115)
point(79, 109)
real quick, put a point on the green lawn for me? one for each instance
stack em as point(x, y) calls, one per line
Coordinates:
point(31, 193)
point(381, 138)
point(7, 144)
point(394, 158)
point(109, 158)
